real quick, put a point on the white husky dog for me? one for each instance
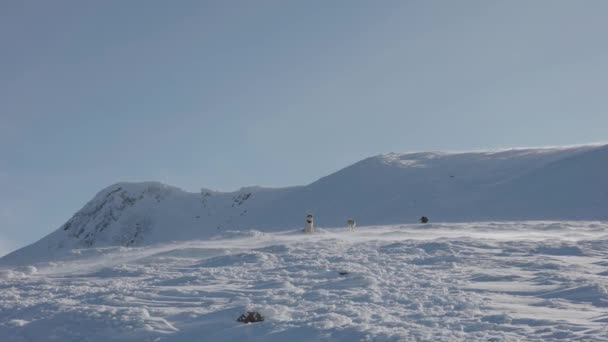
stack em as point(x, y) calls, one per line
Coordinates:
point(351, 224)
point(310, 225)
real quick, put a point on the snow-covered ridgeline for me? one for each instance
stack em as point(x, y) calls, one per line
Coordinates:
point(521, 184)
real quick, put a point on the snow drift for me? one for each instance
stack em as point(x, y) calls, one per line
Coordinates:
point(521, 184)
point(501, 281)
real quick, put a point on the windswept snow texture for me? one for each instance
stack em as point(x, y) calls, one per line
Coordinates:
point(522, 184)
point(525, 281)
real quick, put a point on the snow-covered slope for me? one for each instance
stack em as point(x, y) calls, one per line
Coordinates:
point(531, 184)
point(508, 281)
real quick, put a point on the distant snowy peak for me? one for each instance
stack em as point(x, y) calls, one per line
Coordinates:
point(520, 184)
point(129, 214)
point(415, 160)
point(108, 208)
point(424, 159)
point(141, 188)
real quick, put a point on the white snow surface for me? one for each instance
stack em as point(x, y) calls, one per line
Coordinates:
point(494, 281)
point(151, 262)
point(568, 183)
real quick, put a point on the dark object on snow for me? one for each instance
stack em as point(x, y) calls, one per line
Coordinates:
point(343, 273)
point(251, 317)
point(424, 219)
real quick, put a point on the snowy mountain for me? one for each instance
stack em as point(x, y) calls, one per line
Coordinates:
point(150, 262)
point(521, 184)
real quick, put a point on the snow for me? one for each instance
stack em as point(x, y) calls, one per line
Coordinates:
point(510, 185)
point(523, 256)
point(500, 281)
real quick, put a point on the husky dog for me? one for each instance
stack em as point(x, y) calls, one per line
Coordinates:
point(310, 225)
point(351, 224)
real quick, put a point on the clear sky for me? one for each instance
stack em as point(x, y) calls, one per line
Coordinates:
point(224, 94)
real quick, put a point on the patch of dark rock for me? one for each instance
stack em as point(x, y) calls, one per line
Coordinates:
point(250, 317)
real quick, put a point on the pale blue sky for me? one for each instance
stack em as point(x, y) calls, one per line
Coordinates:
point(224, 94)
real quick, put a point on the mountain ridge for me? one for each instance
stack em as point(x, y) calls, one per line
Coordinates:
point(568, 183)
